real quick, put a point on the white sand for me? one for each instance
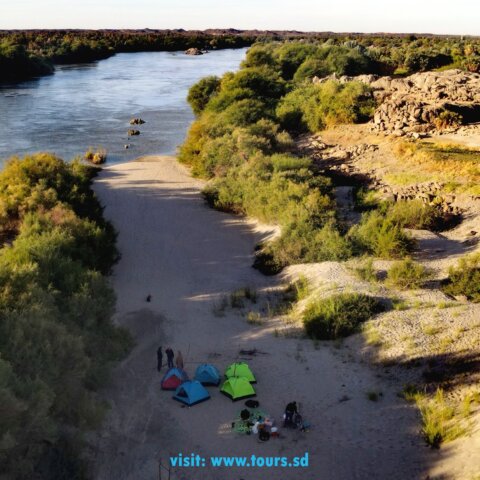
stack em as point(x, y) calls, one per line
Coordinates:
point(185, 255)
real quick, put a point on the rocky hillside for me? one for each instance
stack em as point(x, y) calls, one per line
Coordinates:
point(423, 102)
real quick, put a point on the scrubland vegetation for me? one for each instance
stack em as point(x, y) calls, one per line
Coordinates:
point(464, 279)
point(320, 54)
point(16, 63)
point(242, 142)
point(57, 340)
point(339, 315)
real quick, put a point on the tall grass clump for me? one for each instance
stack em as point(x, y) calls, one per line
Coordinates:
point(439, 420)
point(464, 279)
point(339, 315)
point(366, 271)
point(407, 274)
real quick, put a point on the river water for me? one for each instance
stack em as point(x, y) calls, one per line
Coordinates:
point(91, 105)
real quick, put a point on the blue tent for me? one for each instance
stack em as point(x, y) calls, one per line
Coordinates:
point(173, 378)
point(191, 392)
point(207, 374)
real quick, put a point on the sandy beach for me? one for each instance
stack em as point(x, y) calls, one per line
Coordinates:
point(186, 256)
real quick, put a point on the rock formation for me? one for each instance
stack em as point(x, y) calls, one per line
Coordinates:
point(193, 51)
point(137, 121)
point(423, 102)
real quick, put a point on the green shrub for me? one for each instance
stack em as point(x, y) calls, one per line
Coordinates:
point(448, 119)
point(365, 199)
point(407, 274)
point(264, 83)
point(57, 339)
point(414, 214)
point(314, 107)
point(464, 279)
point(200, 94)
point(339, 315)
point(291, 55)
point(366, 271)
point(380, 236)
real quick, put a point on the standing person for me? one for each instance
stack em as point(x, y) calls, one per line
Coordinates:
point(170, 355)
point(290, 410)
point(179, 360)
point(159, 358)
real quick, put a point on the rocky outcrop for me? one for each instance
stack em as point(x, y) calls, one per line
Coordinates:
point(193, 51)
point(137, 121)
point(423, 102)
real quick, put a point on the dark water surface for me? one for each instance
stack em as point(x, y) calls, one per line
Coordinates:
point(91, 105)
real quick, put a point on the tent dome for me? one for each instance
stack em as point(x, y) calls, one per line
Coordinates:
point(237, 388)
point(191, 392)
point(173, 378)
point(207, 374)
point(240, 369)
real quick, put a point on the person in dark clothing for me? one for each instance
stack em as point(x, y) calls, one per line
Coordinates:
point(290, 411)
point(159, 358)
point(170, 355)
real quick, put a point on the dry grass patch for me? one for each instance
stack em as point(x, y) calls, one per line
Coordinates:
point(456, 165)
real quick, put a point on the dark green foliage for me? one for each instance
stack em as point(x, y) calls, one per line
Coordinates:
point(339, 315)
point(200, 93)
point(424, 61)
point(316, 54)
point(44, 182)
point(341, 60)
point(314, 107)
point(378, 235)
point(18, 64)
point(415, 214)
point(26, 54)
point(57, 340)
point(291, 55)
point(464, 279)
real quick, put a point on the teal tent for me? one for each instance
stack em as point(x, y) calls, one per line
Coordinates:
point(207, 374)
point(191, 392)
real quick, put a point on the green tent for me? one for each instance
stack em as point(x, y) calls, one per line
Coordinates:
point(240, 369)
point(237, 388)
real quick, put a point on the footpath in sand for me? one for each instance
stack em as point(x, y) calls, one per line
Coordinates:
point(186, 256)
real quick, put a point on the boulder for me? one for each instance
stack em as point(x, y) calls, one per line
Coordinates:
point(132, 132)
point(193, 51)
point(137, 121)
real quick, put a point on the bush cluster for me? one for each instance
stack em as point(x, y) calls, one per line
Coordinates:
point(16, 63)
point(242, 141)
point(313, 107)
point(339, 315)
point(407, 274)
point(464, 279)
point(57, 340)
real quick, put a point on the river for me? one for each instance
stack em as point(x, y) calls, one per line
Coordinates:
point(90, 105)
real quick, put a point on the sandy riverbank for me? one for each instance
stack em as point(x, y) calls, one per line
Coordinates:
point(187, 256)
